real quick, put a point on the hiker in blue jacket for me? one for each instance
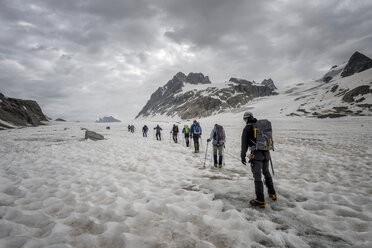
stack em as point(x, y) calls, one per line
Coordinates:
point(196, 132)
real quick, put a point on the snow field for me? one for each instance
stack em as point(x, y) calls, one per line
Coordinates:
point(57, 190)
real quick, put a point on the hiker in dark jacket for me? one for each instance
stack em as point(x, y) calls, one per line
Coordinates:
point(196, 132)
point(259, 160)
point(175, 133)
point(158, 132)
point(144, 131)
point(218, 138)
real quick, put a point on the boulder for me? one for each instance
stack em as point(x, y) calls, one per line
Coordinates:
point(93, 135)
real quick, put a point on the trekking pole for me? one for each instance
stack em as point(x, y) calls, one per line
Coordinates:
point(205, 158)
point(272, 167)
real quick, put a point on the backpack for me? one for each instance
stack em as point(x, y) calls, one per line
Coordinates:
point(264, 135)
point(186, 129)
point(197, 128)
point(175, 129)
point(218, 134)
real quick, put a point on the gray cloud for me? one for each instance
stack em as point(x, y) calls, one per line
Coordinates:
point(85, 59)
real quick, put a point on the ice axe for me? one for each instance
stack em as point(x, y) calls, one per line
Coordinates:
point(272, 167)
point(205, 158)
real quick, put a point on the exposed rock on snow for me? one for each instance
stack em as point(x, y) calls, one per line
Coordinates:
point(60, 119)
point(107, 119)
point(269, 83)
point(17, 112)
point(93, 135)
point(195, 96)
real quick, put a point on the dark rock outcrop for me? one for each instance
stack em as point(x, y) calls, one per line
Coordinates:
point(357, 63)
point(269, 83)
point(59, 119)
point(360, 90)
point(20, 112)
point(107, 119)
point(171, 100)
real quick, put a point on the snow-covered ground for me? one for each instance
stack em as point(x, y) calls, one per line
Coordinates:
point(59, 190)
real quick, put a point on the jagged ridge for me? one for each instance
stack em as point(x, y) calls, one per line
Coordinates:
point(194, 96)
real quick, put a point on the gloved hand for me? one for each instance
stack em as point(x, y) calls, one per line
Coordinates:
point(244, 161)
point(208, 140)
point(251, 156)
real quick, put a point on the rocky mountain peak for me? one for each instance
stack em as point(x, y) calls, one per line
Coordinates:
point(197, 78)
point(240, 81)
point(269, 83)
point(357, 63)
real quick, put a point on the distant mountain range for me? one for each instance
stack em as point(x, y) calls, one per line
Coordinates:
point(345, 90)
point(17, 112)
point(194, 96)
point(107, 119)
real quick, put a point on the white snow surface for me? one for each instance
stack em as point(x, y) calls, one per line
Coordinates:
point(59, 190)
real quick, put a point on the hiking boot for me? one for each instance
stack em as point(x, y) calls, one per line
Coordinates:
point(220, 165)
point(273, 197)
point(215, 165)
point(256, 203)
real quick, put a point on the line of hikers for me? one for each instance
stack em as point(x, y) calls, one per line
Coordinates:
point(256, 136)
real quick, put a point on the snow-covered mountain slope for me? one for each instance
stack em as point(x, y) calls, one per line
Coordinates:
point(340, 96)
point(58, 190)
point(195, 96)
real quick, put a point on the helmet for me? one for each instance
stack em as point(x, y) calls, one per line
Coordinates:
point(247, 115)
point(194, 120)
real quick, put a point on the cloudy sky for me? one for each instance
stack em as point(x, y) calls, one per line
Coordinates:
point(85, 59)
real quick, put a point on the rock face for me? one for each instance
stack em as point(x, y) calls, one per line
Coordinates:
point(194, 96)
point(357, 63)
point(269, 83)
point(107, 119)
point(20, 112)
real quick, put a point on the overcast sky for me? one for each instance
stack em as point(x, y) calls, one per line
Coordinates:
point(85, 59)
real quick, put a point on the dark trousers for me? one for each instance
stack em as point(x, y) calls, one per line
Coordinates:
point(196, 137)
point(260, 165)
point(187, 139)
point(175, 135)
point(144, 134)
point(158, 136)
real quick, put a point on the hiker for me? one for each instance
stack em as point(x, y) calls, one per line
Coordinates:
point(144, 131)
point(196, 132)
point(186, 132)
point(259, 157)
point(128, 128)
point(158, 133)
point(132, 128)
point(218, 137)
point(175, 133)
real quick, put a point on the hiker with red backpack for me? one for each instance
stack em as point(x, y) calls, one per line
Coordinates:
point(196, 132)
point(186, 132)
point(257, 135)
point(218, 138)
point(175, 133)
